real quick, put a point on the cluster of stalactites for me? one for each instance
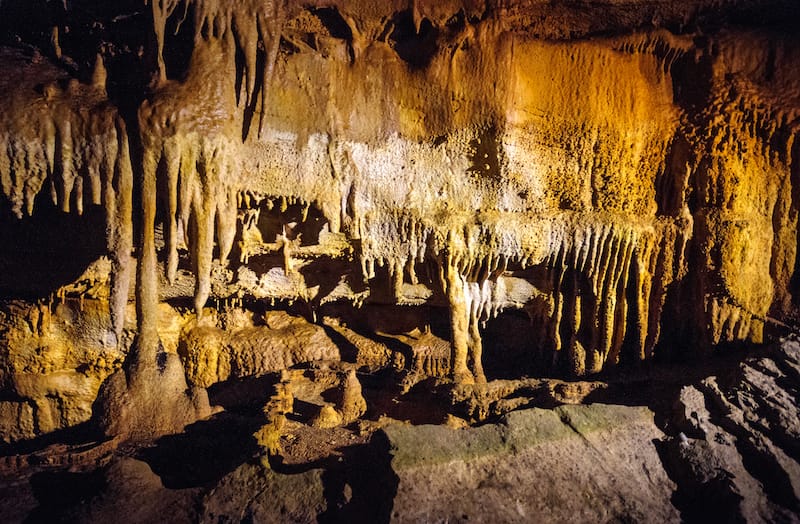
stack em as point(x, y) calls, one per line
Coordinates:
point(609, 283)
point(395, 240)
point(199, 166)
point(82, 154)
point(254, 200)
point(662, 43)
point(253, 24)
point(250, 204)
point(606, 284)
point(606, 279)
point(200, 201)
point(25, 164)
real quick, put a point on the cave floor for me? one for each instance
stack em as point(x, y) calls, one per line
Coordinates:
point(630, 444)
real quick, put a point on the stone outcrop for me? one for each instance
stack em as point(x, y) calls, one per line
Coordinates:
point(624, 175)
point(511, 465)
point(54, 358)
point(722, 447)
point(736, 453)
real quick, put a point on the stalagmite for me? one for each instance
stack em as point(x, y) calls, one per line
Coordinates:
point(459, 323)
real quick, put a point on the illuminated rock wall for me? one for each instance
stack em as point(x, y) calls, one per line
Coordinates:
point(481, 158)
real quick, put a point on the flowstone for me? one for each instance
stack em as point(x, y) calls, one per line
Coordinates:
point(361, 257)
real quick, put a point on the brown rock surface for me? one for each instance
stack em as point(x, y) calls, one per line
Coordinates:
point(709, 449)
point(585, 463)
point(54, 358)
point(353, 218)
point(211, 355)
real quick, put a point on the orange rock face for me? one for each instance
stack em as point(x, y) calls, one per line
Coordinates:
point(624, 175)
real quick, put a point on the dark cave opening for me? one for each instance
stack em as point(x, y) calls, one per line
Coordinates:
point(41, 253)
point(417, 49)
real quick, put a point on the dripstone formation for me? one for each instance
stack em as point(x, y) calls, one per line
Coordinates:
point(298, 216)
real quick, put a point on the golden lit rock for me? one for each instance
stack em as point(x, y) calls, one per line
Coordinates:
point(348, 212)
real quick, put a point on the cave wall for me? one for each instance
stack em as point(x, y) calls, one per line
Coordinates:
point(624, 174)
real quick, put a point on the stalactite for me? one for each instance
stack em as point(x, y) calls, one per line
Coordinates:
point(226, 223)
point(73, 140)
point(252, 24)
point(118, 198)
point(161, 11)
point(270, 22)
point(172, 163)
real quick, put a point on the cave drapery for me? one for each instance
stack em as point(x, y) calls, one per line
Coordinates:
point(622, 189)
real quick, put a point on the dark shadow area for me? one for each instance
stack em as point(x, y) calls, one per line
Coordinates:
point(296, 222)
point(59, 491)
point(40, 16)
point(41, 253)
point(794, 282)
point(205, 452)
point(701, 496)
point(390, 319)
point(81, 436)
point(333, 22)
point(783, 15)
point(327, 273)
point(417, 49)
point(179, 42)
point(120, 31)
point(245, 396)
point(420, 405)
point(347, 350)
point(303, 411)
point(336, 26)
point(657, 385)
point(692, 77)
point(439, 322)
point(361, 487)
point(262, 263)
point(507, 346)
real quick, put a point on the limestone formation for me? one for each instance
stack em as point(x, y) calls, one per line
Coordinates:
point(587, 161)
point(345, 215)
point(211, 355)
